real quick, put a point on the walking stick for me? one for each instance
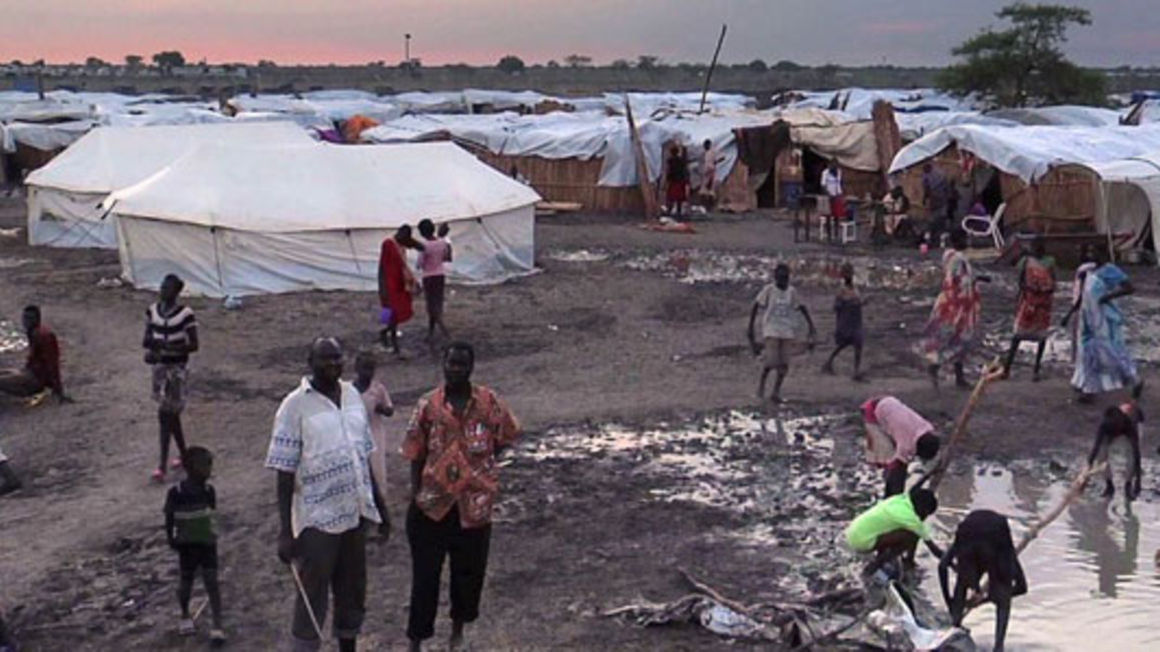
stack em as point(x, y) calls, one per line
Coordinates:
point(306, 601)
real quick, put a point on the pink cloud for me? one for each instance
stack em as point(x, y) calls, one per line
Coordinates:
point(895, 27)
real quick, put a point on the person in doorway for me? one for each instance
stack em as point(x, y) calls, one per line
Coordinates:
point(983, 546)
point(1033, 314)
point(676, 181)
point(936, 198)
point(831, 183)
point(435, 254)
point(897, 213)
point(1103, 362)
point(847, 323)
point(893, 527)
point(190, 508)
point(170, 338)
point(41, 370)
point(894, 435)
point(707, 192)
point(396, 285)
point(454, 438)
point(950, 332)
point(778, 305)
point(1119, 424)
point(377, 401)
point(320, 447)
point(9, 480)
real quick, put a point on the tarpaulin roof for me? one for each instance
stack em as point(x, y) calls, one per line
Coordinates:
point(321, 187)
point(1029, 152)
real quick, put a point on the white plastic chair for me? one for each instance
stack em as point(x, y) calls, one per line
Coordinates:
point(849, 231)
point(986, 226)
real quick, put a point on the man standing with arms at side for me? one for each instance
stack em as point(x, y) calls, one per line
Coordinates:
point(453, 440)
point(321, 447)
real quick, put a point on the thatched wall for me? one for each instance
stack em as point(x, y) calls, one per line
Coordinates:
point(569, 180)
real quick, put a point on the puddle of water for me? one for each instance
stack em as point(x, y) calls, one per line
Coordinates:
point(11, 337)
point(579, 256)
point(1093, 582)
point(697, 266)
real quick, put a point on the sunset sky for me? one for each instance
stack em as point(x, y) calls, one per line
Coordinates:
point(902, 32)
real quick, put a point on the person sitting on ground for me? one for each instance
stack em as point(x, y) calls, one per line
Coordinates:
point(1119, 424)
point(897, 205)
point(190, 529)
point(894, 435)
point(893, 527)
point(847, 323)
point(435, 254)
point(9, 481)
point(778, 304)
point(42, 369)
point(983, 546)
point(170, 338)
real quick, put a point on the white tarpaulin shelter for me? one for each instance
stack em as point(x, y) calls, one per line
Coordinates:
point(1129, 198)
point(64, 196)
point(1029, 152)
point(313, 217)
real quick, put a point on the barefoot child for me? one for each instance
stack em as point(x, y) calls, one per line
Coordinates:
point(189, 527)
point(847, 322)
point(378, 404)
point(1119, 424)
point(893, 527)
point(778, 304)
point(436, 253)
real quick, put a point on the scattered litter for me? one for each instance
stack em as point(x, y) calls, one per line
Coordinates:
point(232, 303)
point(579, 256)
point(553, 327)
point(896, 620)
point(110, 282)
point(11, 339)
point(10, 233)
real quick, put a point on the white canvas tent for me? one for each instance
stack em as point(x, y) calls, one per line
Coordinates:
point(313, 217)
point(64, 196)
point(1129, 198)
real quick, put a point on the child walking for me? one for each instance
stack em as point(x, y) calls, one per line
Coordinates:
point(778, 304)
point(847, 323)
point(436, 253)
point(189, 527)
point(378, 404)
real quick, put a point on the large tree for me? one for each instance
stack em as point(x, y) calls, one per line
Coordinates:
point(169, 59)
point(1023, 65)
point(511, 64)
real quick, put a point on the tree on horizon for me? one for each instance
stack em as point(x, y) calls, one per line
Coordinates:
point(1023, 64)
point(511, 64)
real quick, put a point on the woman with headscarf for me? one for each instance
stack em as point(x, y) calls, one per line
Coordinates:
point(951, 331)
point(396, 284)
point(1102, 361)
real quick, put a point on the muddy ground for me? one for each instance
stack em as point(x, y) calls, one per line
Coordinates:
point(626, 327)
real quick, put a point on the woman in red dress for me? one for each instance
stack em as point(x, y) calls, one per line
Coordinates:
point(396, 283)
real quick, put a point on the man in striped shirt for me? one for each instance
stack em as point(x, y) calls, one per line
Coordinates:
point(170, 337)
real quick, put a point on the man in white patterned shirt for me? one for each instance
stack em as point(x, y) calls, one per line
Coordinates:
point(321, 446)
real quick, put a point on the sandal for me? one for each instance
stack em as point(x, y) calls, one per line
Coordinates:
point(158, 475)
point(175, 463)
point(217, 637)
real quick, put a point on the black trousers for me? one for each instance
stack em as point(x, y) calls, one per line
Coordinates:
point(432, 542)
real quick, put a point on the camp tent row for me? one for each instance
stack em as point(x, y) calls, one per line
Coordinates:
point(263, 208)
point(1061, 179)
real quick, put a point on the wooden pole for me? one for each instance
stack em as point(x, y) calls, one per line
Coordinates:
point(993, 372)
point(651, 208)
point(712, 66)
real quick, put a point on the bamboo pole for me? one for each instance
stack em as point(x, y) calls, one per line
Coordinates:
point(712, 66)
point(651, 207)
point(993, 372)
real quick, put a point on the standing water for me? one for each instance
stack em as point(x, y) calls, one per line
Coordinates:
point(11, 339)
point(1093, 582)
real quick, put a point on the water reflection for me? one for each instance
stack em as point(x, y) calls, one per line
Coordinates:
point(11, 338)
point(1093, 584)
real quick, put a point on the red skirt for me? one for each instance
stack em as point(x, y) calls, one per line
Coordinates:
point(838, 207)
point(677, 191)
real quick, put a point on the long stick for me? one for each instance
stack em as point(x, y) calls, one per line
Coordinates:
point(993, 372)
point(712, 66)
point(1076, 489)
point(651, 208)
point(306, 601)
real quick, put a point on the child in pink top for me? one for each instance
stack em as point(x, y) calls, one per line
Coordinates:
point(377, 401)
point(432, 260)
point(894, 435)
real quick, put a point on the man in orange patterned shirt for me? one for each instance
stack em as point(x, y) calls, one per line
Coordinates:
point(453, 440)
